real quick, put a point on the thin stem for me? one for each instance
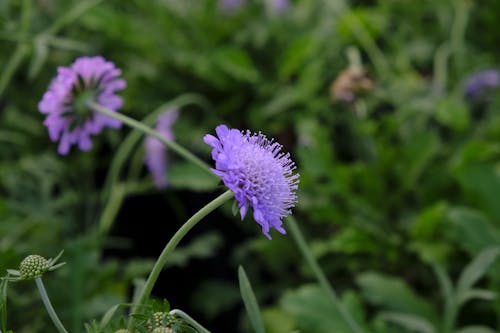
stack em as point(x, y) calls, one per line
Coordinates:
point(128, 144)
point(189, 319)
point(149, 131)
point(21, 50)
point(341, 9)
point(311, 261)
point(441, 57)
point(457, 34)
point(48, 306)
point(113, 206)
point(171, 245)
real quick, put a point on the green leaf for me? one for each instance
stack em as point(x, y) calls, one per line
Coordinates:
point(411, 322)
point(472, 230)
point(444, 282)
point(234, 208)
point(250, 301)
point(481, 183)
point(39, 57)
point(106, 318)
point(313, 310)
point(13, 272)
point(3, 304)
point(476, 329)
point(392, 293)
point(476, 270)
point(237, 64)
point(297, 53)
point(482, 294)
point(278, 321)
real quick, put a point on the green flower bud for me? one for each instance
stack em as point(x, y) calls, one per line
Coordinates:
point(33, 266)
point(156, 320)
point(163, 330)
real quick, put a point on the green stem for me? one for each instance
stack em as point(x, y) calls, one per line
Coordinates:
point(189, 319)
point(48, 306)
point(149, 131)
point(21, 50)
point(171, 245)
point(133, 137)
point(311, 261)
point(342, 10)
point(457, 34)
point(113, 206)
point(441, 57)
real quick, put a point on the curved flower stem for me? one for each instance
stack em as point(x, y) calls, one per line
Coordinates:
point(311, 261)
point(189, 319)
point(171, 245)
point(48, 306)
point(149, 131)
point(128, 144)
point(111, 209)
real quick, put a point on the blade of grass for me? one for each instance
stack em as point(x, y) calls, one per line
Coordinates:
point(250, 302)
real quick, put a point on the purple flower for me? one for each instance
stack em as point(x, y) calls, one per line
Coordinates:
point(69, 119)
point(156, 158)
point(259, 174)
point(481, 82)
point(279, 6)
point(231, 6)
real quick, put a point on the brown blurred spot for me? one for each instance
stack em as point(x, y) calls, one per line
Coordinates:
point(350, 83)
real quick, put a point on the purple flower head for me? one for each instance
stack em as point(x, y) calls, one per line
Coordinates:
point(279, 6)
point(481, 82)
point(69, 119)
point(259, 174)
point(156, 158)
point(231, 6)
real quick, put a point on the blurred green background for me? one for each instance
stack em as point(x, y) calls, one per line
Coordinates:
point(399, 170)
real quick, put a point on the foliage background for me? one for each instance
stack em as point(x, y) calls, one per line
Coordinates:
point(402, 180)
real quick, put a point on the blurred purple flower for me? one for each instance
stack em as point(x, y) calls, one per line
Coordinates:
point(156, 157)
point(231, 6)
point(279, 6)
point(481, 82)
point(69, 119)
point(259, 174)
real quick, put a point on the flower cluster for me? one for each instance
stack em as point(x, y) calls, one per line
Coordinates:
point(69, 117)
point(156, 158)
point(259, 174)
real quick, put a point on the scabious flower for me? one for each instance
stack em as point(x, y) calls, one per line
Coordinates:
point(279, 6)
point(259, 174)
point(481, 82)
point(69, 119)
point(231, 6)
point(156, 157)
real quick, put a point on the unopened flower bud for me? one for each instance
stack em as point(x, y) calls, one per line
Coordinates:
point(156, 320)
point(163, 330)
point(33, 266)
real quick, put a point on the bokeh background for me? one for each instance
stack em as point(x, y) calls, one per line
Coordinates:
point(395, 136)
